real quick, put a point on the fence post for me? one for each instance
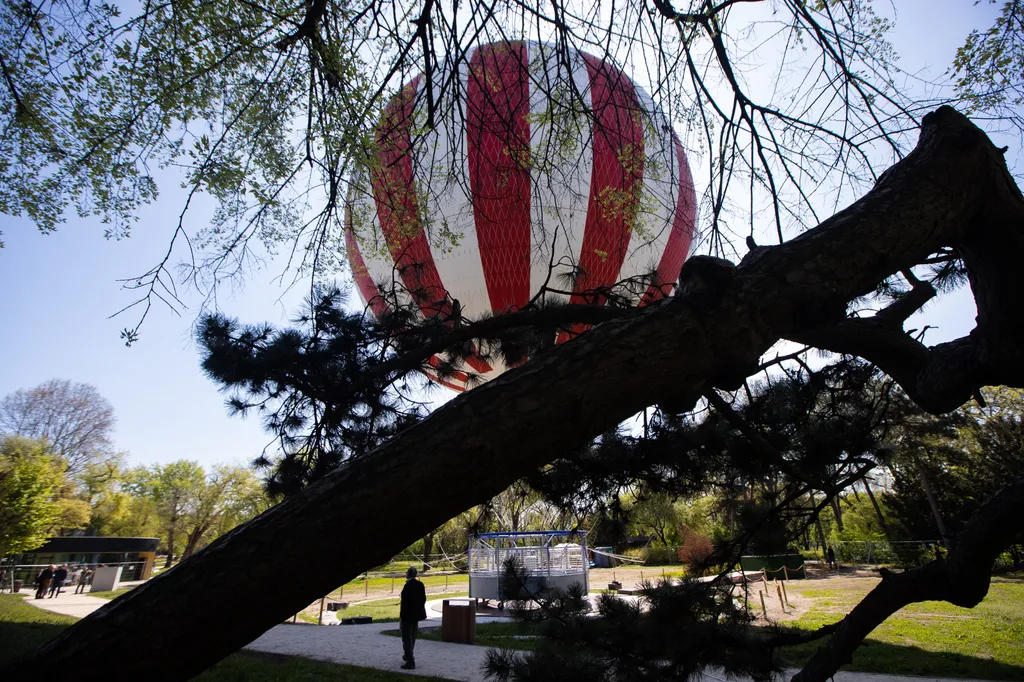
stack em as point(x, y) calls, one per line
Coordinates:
point(445, 582)
point(786, 595)
point(320, 618)
point(764, 609)
point(785, 572)
point(366, 584)
point(778, 592)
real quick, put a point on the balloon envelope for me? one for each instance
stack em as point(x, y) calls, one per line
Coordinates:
point(544, 179)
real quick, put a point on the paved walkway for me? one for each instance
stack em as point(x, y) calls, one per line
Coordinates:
point(68, 603)
point(368, 647)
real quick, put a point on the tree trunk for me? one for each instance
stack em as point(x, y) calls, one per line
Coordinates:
point(194, 538)
point(837, 512)
point(953, 190)
point(922, 472)
point(172, 531)
point(660, 531)
point(817, 524)
point(878, 511)
point(428, 546)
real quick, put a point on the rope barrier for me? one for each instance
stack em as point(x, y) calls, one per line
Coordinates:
point(450, 561)
point(620, 557)
point(763, 573)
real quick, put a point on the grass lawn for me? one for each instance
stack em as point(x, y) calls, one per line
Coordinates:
point(24, 627)
point(384, 610)
point(112, 594)
point(928, 638)
point(355, 588)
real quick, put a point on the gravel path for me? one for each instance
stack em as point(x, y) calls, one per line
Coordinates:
point(365, 646)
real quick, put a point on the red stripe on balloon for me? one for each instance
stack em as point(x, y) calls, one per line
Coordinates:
point(680, 238)
point(361, 274)
point(457, 375)
point(478, 364)
point(438, 380)
point(398, 209)
point(616, 182)
point(498, 145)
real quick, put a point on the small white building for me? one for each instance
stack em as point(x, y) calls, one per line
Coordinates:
point(551, 559)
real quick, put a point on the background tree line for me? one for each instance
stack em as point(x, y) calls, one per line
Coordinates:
point(60, 475)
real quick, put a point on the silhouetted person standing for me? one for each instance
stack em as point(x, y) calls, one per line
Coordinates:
point(831, 556)
point(43, 579)
point(59, 576)
point(413, 610)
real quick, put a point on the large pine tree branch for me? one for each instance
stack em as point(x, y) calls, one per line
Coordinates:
point(942, 377)
point(478, 444)
point(961, 579)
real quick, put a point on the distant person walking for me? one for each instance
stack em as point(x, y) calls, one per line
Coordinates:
point(83, 580)
point(43, 581)
point(413, 610)
point(831, 556)
point(59, 576)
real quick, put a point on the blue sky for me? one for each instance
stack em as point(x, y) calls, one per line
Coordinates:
point(58, 291)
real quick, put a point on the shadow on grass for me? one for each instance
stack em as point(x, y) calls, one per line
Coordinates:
point(24, 627)
point(257, 666)
point(20, 639)
point(880, 657)
point(872, 656)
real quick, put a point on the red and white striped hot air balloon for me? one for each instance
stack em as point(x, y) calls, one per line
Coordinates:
point(541, 175)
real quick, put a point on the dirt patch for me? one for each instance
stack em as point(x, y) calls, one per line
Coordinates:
point(631, 576)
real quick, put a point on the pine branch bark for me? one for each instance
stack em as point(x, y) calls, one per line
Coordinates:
point(953, 190)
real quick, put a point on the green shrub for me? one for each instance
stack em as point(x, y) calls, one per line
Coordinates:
point(662, 555)
point(653, 556)
point(638, 553)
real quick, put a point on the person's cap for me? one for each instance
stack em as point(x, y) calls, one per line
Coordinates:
point(411, 573)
